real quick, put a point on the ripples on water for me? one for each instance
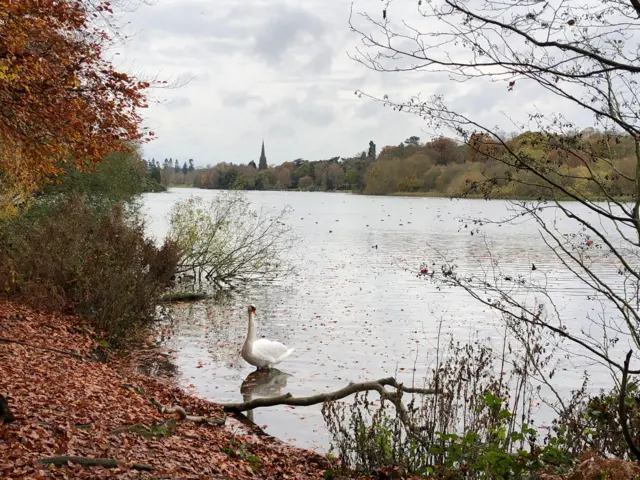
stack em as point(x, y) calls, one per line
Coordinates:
point(352, 311)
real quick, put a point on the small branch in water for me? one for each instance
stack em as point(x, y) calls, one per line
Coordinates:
point(183, 297)
point(183, 414)
point(352, 388)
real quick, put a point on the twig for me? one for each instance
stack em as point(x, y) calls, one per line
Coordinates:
point(75, 355)
point(622, 408)
point(183, 414)
point(288, 399)
point(91, 462)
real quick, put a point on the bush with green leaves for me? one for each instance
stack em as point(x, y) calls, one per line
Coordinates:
point(64, 254)
point(479, 424)
point(594, 422)
point(119, 177)
point(227, 241)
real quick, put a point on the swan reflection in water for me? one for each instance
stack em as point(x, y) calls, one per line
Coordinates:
point(263, 383)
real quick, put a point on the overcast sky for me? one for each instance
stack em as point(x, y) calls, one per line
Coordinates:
point(278, 70)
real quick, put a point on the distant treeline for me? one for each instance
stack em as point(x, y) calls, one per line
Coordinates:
point(585, 161)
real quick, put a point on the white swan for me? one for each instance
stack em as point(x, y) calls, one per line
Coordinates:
point(262, 353)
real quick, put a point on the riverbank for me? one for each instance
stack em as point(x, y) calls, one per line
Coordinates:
point(435, 194)
point(69, 400)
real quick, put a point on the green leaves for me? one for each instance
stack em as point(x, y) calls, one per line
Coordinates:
point(226, 240)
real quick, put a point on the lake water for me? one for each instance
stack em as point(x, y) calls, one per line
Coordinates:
point(355, 308)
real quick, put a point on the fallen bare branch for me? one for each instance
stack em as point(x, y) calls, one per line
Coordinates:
point(288, 399)
point(91, 462)
point(183, 414)
point(75, 355)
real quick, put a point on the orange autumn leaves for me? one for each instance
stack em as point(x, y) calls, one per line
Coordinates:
point(61, 103)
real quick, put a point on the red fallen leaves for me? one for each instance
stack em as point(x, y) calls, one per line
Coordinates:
point(65, 406)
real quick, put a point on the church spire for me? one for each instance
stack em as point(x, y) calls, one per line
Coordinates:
point(262, 164)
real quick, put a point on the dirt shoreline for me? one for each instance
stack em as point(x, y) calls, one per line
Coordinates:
point(67, 402)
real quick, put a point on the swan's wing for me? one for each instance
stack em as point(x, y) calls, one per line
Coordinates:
point(270, 350)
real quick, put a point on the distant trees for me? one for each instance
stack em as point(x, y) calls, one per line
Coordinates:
point(305, 182)
point(335, 177)
point(154, 171)
point(439, 166)
point(412, 141)
point(171, 173)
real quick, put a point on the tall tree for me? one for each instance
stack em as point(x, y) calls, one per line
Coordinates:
point(176, 166)
point(252, 164)
point(191, 167)
point(372, 150)
point(262, 164)
point(412, 141)
point(587, 55)
point(185, 168)
point(61, 103)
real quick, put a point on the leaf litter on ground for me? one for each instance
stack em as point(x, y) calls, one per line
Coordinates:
point(65, 406)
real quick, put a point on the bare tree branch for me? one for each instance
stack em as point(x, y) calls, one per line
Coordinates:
point(352, 388)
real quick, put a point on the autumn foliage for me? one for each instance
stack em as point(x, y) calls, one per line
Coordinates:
point(61, 103)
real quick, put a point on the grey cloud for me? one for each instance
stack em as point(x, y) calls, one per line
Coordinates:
point(321, 62)
point(485, 97)
point(367, 108)
point(310, 111)
point(179, 103)
point(280, 130)
point(292, 39)
point(286, 28)
point(189, 19)
point(238, 99)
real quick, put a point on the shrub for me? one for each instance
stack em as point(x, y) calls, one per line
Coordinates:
point(226, 241)
point(478, 425)
point(594, 422)
point(66, 255)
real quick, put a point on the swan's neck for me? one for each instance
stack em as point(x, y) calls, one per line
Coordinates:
point(251, 333)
